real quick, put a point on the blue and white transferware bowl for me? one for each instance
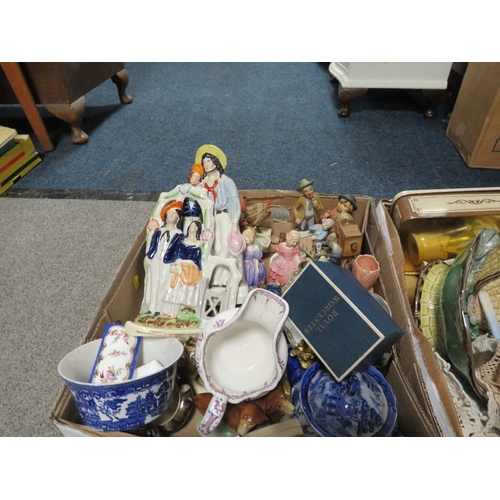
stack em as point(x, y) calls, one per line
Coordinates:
point(122, 405)
point(362, 405)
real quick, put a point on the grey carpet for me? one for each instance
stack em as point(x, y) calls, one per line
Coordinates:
point(58, 258)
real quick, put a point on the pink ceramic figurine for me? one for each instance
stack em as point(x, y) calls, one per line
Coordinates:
point(286, 260)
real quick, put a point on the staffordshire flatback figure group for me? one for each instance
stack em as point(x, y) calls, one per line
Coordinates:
point(206, 249)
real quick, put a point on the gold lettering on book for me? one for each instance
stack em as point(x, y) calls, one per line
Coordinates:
point(325, 316)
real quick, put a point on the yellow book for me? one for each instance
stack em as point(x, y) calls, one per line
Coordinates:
point(22, 149)
point(19, 172)
point(6, 134)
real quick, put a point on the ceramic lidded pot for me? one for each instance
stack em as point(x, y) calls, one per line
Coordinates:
point(361, 405)
point(126, 405)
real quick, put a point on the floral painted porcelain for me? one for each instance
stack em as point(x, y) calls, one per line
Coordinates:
point(123, 405)
point(362, 405)
point(243, 356)
point(117, 356)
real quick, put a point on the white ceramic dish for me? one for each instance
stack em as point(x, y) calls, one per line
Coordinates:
point(241, 354)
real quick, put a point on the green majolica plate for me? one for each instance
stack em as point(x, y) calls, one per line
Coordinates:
point(476, 268)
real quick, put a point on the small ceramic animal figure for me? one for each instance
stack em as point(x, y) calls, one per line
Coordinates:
point(342, 213)
point(286, 260)
point(255, 271)
point(307, 210)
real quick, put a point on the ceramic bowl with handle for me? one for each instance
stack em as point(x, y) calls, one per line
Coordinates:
point(242, 355)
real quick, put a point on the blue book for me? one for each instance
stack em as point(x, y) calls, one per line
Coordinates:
point(339, 319)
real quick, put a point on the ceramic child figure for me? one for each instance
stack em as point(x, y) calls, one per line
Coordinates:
point(255, 271)
point(321, 231)
point(341, 214)
point(224, 194)
point(194, 181)
point(308, 209)
point(196, 174)
point(157, 276)
point(184, 257)
point(286, 260)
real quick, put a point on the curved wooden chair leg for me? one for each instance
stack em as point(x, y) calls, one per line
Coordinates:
point(121, 80)
point(435, 98)
point(72, 114)
point(345, 97)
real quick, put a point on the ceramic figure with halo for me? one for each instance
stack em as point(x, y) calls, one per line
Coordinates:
point(194, 259)
point(228, 241)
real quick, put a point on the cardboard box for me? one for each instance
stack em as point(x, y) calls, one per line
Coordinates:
point(416, 415)
point(416, 374)
point(474, 126)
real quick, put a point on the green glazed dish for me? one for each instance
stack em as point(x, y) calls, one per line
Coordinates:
point(476, 268)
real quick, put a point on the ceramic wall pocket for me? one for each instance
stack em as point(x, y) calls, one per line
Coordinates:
point(242, 355)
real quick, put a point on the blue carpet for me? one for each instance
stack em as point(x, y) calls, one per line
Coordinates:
point(276, 122)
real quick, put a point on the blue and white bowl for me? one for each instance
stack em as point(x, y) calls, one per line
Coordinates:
point(362, 405)
point(121, 406)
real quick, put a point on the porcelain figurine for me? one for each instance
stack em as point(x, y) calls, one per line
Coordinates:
point(157, 277)
point(242, 417)
point(255, 272)
point(320, 233)
point(342, 213)
point(336, 254)
point(286, 260)
point(184, 256)
point(227, 207)
point(194, 180)
point(179, 239)
point(308, 209)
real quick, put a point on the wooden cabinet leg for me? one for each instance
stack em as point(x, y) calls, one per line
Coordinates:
point(121, 80)
point(435, 97)
point(72, 114)
point(345, 97)
point(20, 87)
